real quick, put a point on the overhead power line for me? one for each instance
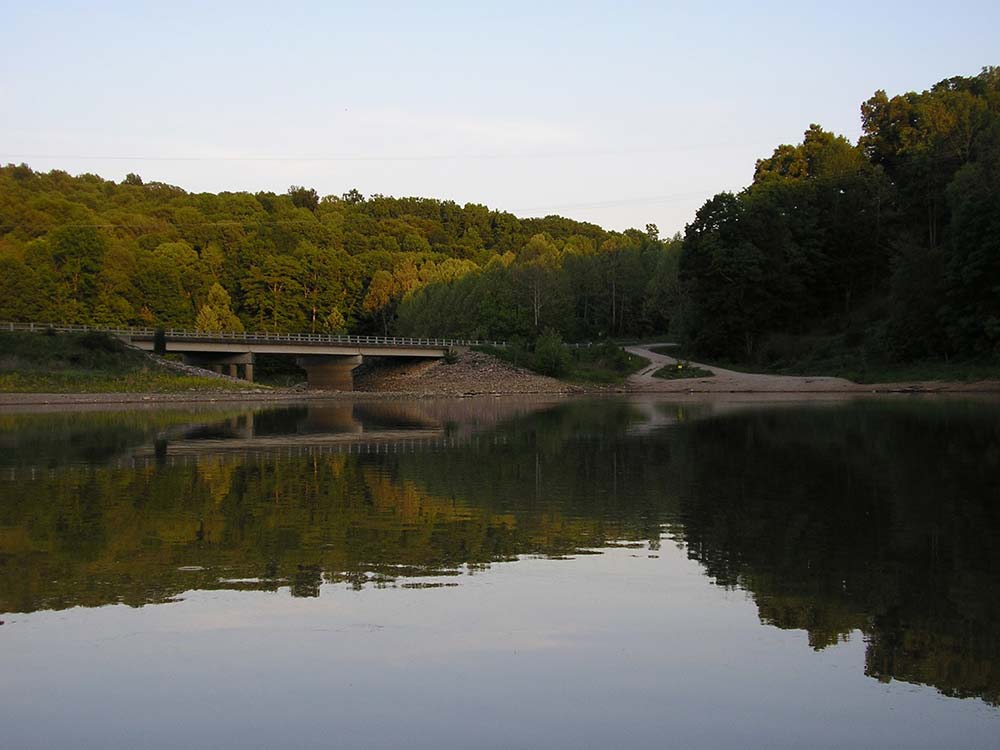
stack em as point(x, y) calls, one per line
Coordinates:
point(647, 200)
point(287, 221)
point(379, 157)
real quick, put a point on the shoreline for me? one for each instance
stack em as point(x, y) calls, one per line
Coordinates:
point(675, 388)
point(722, 380)
point(478, 375)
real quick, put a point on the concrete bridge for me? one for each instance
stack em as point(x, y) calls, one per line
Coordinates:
point(328, 359)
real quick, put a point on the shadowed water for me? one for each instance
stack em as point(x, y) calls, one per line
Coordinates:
point(503, 573)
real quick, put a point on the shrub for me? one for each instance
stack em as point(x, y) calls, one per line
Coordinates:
point(551, 357)
point(615, 357)
point(101, 342)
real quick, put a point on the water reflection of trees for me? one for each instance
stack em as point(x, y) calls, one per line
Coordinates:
point(881, 518)
point(873, 517)
point(113, 533)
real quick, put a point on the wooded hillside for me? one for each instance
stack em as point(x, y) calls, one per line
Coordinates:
point(87, 250)
point(888, 248)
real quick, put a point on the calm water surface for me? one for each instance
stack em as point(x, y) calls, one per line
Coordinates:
point(502, 574)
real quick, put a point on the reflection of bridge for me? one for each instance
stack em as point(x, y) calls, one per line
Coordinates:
point(351, 429)
point(172, 453)
point(357, 428)
point(328, 359)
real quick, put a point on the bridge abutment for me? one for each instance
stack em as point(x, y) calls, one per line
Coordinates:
point(329, 372)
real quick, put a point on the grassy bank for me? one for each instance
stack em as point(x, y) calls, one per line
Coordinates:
point(818, 358)
point(90, 363)
point(599, 365)
point(680, 371)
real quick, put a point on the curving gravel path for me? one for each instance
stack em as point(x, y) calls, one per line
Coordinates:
point(730, 381)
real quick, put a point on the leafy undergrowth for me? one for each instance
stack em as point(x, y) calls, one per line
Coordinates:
point(604, 363)
point(90, 363)
point(682, 370)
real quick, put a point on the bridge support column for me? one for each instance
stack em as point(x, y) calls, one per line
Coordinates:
point(328, 372)
point(223, 363)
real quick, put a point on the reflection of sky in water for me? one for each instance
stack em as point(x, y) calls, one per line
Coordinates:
point(593, 652)
point(813, 519)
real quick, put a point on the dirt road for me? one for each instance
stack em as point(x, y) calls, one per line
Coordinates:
point(730, 381)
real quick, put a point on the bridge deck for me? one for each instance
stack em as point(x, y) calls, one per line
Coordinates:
point(328, 359)
point(260, 342)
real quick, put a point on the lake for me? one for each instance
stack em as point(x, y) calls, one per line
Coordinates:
point(502, 573)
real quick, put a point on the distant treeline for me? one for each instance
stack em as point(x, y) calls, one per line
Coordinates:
point(890, 246)
point(87, 250)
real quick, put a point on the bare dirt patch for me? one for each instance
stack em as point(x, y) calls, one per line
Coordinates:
point(474, 373)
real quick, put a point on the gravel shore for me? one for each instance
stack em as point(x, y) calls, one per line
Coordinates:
point(472, 374)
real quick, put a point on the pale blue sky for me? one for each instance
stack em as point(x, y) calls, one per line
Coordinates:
point(617, 113)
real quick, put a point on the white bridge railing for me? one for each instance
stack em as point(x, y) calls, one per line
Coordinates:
point(250, 338)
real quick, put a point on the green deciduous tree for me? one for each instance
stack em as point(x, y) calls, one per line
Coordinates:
point(303, 197)
point(216, 315)
point(272, 294)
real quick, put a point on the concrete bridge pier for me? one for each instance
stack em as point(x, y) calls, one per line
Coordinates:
point(329, 372)
point(228, 363)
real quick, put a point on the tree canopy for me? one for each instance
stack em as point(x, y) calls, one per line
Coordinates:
point(893, 242)
point(82, 249)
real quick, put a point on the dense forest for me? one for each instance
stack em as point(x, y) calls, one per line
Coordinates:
point(889, 247)
point(87, 250)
